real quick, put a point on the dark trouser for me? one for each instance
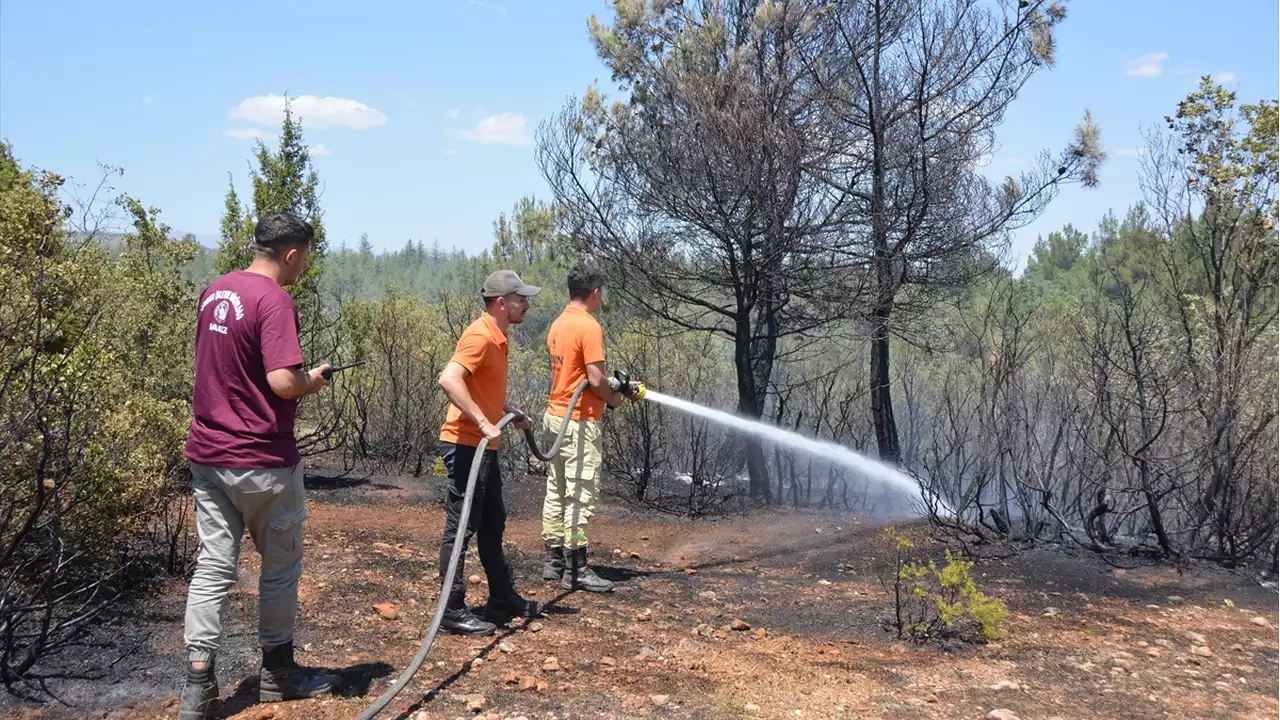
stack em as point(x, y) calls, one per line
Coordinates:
point(487, 522)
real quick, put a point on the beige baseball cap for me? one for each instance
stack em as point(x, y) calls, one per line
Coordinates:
point(507, 282)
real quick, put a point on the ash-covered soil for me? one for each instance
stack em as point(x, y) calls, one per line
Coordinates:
point(802, 588)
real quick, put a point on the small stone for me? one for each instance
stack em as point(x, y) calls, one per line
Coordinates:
point(1124, 663)
point(542, 686)
point(527, 683)
point(1153, 652)
point(551, 664)
point(506, 647)
point(1006, 685)
point(1238, 647)
point(267, 713)
point(535, 627)
point(474, 579)
point(475, 703)
point(824, 582)
point(660, 700)
point(818, 530)
point(387, 611)
point(1175, 598)
point(1002, 714)
point(1050, 611)
point(1196, 638)
point(1201, 650)
point(617, 551)
point(634, 555)
point(761, 633)
point(1260, 621)
point(608, 661)
point(645, 616)
point(512, 678)
point(690, 571)
point(476, 663)
point(739, 624)
point(751, 708)
point(644, 537)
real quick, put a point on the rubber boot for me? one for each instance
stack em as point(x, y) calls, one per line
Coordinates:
point(283, 679)
point(553, 566)
point(579, 576)
point(199, 700)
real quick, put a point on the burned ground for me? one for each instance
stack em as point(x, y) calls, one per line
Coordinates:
point(1085, 640)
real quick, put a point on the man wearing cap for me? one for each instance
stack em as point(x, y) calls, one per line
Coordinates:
point(475, 381)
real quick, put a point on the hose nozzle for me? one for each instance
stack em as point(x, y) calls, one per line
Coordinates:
point(622, 382)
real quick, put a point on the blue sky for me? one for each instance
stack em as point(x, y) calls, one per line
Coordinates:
point(424, 112)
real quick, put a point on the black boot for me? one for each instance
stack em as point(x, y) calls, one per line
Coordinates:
point(464, 622)
point(199, 699)
point(500, 609)
point(458, 620)
point(282, 679)
point(578, 576)
point(553, 566)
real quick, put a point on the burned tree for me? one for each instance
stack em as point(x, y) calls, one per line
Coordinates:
point(919, 89)
point(696, 193)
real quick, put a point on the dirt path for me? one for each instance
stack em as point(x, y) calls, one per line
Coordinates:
point(1085, 641)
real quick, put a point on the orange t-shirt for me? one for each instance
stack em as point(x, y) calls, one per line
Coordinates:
point(482, 350)
point(575, 340)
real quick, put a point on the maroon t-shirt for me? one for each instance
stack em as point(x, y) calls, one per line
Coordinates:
point(246, 326)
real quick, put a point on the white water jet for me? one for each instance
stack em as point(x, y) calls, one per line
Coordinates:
point(836, 454)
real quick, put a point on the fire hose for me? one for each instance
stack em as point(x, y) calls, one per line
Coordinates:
point(620, 382)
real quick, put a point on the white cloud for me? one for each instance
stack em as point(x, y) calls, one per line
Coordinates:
point(1133, 152)
point(314, 112)
point(1149, 65)
point(448, 152)
point(246, 133)
point(453, 113)
point(319, 149)
point(1223, 78)
point(504, 129)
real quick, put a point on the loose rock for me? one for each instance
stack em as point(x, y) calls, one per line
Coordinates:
point(535, 627)
point(751, 708)
point(608, 661)
point(739, 625)
point(1002, 714)
point(1260, 622)
point(1006, 685)
point(1201, 650)
point(506, 647)
point(660, 700)
point(387, 611)
point(551, 664)
point(474, 579)
point(645, 616)
point(690, 571)
point(761, 633)
point(528, 683)
point(475, 703)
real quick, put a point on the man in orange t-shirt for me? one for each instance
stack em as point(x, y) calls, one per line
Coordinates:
point(475, 380)
point(576, 344)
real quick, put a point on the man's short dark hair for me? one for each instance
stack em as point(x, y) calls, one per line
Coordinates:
point(277, 233)
point(583, 280)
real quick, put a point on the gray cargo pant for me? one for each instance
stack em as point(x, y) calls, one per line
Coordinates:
point(269, 502)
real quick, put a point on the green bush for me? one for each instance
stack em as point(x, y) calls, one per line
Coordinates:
point(932, 602)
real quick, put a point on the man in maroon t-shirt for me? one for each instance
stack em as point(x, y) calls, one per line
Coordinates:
point(245, 469)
